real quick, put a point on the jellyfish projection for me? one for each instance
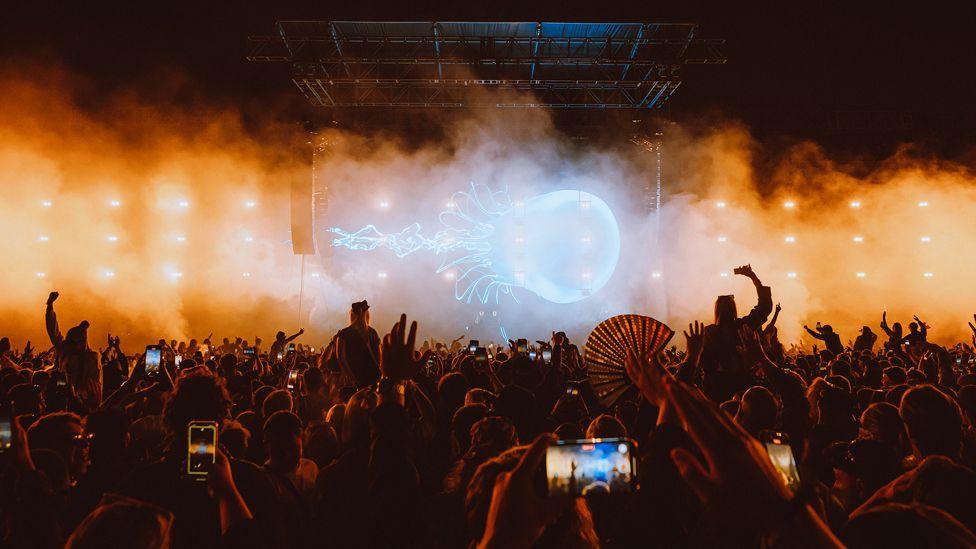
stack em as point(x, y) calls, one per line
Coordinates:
point(561, 245)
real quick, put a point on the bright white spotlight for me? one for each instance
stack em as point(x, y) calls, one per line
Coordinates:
point(519, 278)
point(789, 239)
point(858, 238)
point(449, 275)
point(315, 275)
point(585, 239)
point(860, 274)
point(855, 204)
point(791, 274)
point(40, 274)
point(384, 204)
point(789, 204)
point(175, 275)
point(926, 239)
point(246, 275)
point(520, 204)
point(250, 204)
point(108, 274)
point(927, 275)
point(923, 204)
point(656, 274)
point(723, 275)
point(115, 203)
point(519, 239)
point(722, 239)
point(42, 238)
point(180, 238)
point(720, 204)
point(184, 204)
point(450, 205)
point(381, 275)
point(47, 203)
point(249, 239)
point(584, 204)
point(586, 275)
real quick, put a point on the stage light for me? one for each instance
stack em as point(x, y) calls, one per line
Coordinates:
point(722, 239)
point(789, 204)
point(180, 238)
point(720, 204)
point(519, 277)
point(519, 239)
point(249, 203)
point(521, 204)
point(860, 274)
point(449, 275)
point(928, 275)
point(790, 275)
point(248, 239)
point(585, 239)
point(858, 238)
point(109, 274)
point(923, 204)
point(926, 239)
point(184, 204)
point(585, 275)
point(381, 275)
point(723, 275)
point(175, 275)
point(115, 203)
point(42, 238)
point(449, 205)
point(246, 275)
point(584, 203)
point(856, 204)
point(40, 274)
point(112, 238)
point(315, 275)
point(47, 203)
point(655, 274)
point(384, 204)
point(789, 239)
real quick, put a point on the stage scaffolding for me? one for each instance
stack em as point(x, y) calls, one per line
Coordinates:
point(445, 64)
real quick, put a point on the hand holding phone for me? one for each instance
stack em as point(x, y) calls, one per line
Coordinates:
point(781, 454)
point(473, 345)
point(292, 382)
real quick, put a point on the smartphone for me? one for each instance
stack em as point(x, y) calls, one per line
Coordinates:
point(6, 433)
point(532, 355)
point(591, 466)
point(781, 454)
point(279, 355)
point(522, 346)
point(249, 351)
point(205, 349)
point(473, 345)
point(292, 381)
point(480, 356)
point(154, 355)
point(201, 448)
point(177, 360)
point(546, 355)
point(291, 347)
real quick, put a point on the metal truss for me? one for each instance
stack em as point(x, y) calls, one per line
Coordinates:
point(448, 64)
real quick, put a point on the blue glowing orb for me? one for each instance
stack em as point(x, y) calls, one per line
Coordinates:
point(563, 245)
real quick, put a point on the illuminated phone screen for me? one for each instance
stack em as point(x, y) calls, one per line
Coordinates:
point(201, 450)
point(153, 357)
point(782, 457)
point(590, 466)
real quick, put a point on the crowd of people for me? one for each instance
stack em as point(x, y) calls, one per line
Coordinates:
point(377, 440)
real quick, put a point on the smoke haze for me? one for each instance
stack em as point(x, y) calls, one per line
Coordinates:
point(201, 227)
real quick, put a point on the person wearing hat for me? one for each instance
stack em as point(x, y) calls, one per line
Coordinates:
point(74, 358)
point(358, 347)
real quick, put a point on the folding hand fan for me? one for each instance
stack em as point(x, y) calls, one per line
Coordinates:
point(607, 346)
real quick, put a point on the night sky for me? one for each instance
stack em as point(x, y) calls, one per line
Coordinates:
point(792, 65)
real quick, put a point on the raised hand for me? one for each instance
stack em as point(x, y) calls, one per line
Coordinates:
point(973, 326)
point(744, 270)
point(648, 375)
point(397, 359)
point(518, 516)
point(778, 308)
point(694, 339)
point(52, 297)
point(301, 331)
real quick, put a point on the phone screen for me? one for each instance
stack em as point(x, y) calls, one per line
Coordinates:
point(292, 380)
point(590, 466)
point(6, 434)
point(473, 345)
point(522, 346)
point(781, 454)
point(291, 347)
point(532, 355)
point(279, 355)
point(249, 351)
point(178, 359)
point(546, 355)
point(201, 450)
point(153, 357)
point(480, 356)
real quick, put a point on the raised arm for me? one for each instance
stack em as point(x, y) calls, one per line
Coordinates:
point(815, 334)
point(884, 324)
point(51, 321)
point(294, 336)
point(758, 315)
point(922, 327)
point(772, 323)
